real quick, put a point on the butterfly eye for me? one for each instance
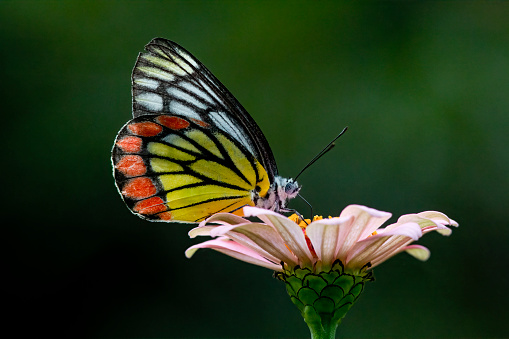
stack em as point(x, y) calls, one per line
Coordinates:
point(291, 187)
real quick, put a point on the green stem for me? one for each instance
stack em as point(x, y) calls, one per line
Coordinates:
point(325, 332)
point(321, 327)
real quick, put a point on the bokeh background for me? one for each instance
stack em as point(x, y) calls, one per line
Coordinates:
point(424, 88)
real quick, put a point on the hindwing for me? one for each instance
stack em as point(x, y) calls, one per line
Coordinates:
point(178, 168)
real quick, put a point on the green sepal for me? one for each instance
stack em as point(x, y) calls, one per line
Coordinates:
point(324, 297)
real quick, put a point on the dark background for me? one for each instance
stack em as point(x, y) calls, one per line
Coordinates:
point(424, 88)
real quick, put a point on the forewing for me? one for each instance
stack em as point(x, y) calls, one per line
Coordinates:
point(171, 168)
point(167, 79)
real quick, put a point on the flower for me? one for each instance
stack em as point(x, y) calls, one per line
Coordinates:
point(355, 238)
point(324, 263)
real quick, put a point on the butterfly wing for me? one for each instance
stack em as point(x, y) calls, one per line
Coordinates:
point(175, 168)
point(167, 79)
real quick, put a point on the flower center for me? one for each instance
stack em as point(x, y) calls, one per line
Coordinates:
point(303, 224)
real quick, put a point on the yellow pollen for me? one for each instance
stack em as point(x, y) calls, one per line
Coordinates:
point(303, 223)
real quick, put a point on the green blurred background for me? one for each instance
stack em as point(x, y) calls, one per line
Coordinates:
point(424, 88)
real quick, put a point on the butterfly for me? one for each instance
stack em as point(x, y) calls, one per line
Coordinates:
point(191, 149)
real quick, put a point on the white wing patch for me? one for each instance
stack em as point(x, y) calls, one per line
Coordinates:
point(147, 83)
point(183, 64)
point(222, 121)
point(151, 101)
point(211, 92)
point(195, 90)
point(178, 94)
point(186, 57)
point(177, 108)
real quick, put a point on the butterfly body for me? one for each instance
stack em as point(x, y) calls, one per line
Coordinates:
point(191, 150)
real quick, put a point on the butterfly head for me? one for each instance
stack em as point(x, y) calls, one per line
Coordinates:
point(281, 190)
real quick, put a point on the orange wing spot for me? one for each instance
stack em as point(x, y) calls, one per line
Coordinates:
point(201, 123)
point(139, 188)
point(130, 144)
point(165, 215)
point(145, 129)
point(173, 122)
point(131, 165)
point(150, 206)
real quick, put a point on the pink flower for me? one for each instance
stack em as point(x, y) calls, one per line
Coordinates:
point(355, 238)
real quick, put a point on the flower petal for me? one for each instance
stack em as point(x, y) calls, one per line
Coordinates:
point(418, 252)
point(200, 230)
point(365, 221)
point(235, 250)
point(224, 219)
point(261, 238)
point(422, 253)
point(408, 229)
point(429, 221)
point(441, 219)
point(382, 246)
point(324, 235)
point(438, 217)
point(290, 232)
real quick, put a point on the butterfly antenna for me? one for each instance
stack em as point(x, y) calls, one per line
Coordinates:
point(322, 152)
point(310, 207)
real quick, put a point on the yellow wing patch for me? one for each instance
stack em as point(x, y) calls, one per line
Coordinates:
point(204, 141)
point(161, 165)
point(157, 73)
point(177, 65)
point(218, 172)
point(177, 140)
point(174, 181)
point(201, 194)
point(200, 212)
point(166, 151)
point(241, 162)
point(223, 187)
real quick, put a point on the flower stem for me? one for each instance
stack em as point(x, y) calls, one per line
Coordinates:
point(325, 329)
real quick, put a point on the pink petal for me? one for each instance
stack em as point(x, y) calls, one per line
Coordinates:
point(224, 219)
point(290, 232)
point(442, 220)
point(200, 231)
point(435, 222)
point(219, 231)
point(442, 230)
point(415, 218)
point(364, 221)
point(324, 235)
point(409, 229)
point(234, 250)
point(261, 238)
point(417, 251)
point(390, 248)
point(383, 245)
point(438, 217)
point(397, 248)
